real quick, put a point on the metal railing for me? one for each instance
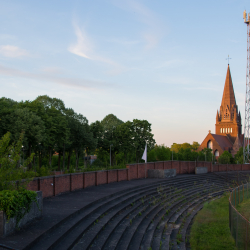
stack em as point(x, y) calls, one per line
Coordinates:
point(239, 225)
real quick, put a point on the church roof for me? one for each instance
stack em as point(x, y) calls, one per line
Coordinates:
point(228, 97)
point(223, 141)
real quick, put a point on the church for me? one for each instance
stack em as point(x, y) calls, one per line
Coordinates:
point(228, 135)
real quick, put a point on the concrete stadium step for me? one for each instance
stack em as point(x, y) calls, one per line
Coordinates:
point(170, 218)
point(58, 232)
point(65, 234)
point(66, 224)
point(115, 223)
point(118, 247)
point(161, 236)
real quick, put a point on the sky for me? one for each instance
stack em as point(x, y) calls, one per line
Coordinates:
point(160, 61)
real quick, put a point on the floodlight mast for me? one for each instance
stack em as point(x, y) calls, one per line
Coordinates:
point(246, 150)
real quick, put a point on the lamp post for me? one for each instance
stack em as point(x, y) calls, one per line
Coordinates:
point(23, 153)
point(110, 153)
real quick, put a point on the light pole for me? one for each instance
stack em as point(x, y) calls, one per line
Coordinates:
point(23, 154)
point(110, 153)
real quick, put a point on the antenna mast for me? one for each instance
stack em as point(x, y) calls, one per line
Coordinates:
point(246, 150)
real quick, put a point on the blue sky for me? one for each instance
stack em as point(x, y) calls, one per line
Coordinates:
point(163, 61)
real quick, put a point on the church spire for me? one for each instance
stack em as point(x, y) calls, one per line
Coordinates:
point(228, 98)
point(228, 121)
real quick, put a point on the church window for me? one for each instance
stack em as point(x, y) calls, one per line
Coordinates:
point(223, 130)
point(209, 144)
point(226, 130)
point(216, 153)
point(231, 130)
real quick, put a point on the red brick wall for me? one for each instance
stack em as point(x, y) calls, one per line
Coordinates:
point(176, 164)
point(54, 185)
point(112, 176)
point(47, 186)
point(33, 185)
point(101, 177)
point(122, 174)
point(167, 164)
point(150, 165)
point(159, 165)
point(245, 166)
point(62, 184)
point(141, 170)
point(184, 167)
point(191, 166)
point(222, 167)
point(76, 181)
point(89, 179)
point(132, 171)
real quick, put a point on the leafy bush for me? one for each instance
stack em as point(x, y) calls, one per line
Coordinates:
point(43, 171)
point(16, 203)
point(226, 158)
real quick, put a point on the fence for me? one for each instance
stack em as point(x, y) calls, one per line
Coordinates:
point(239, 225)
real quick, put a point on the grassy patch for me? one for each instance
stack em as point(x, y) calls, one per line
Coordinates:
point(243, 208)
point(210, 229)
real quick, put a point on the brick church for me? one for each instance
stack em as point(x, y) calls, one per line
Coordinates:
point(228, 124)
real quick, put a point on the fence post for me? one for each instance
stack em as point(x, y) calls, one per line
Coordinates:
point(236, 241)
point(246, 234)
point(243, 193)
point(234, 197)
point(239, 194)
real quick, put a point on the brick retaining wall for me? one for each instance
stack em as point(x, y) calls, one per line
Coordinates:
point(57, 184)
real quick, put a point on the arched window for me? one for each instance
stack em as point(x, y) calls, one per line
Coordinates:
point(223, 130)
point(209, 144)
point(216, 153)
point(231, 130)
point(226, 130)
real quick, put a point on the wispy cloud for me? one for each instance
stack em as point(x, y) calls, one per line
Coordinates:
point(48, 77)
point(12, 51)
point(84, 48)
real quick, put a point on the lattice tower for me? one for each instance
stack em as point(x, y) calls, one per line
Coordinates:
point(246, 149)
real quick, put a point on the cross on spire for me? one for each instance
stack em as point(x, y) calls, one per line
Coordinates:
point(228, 59)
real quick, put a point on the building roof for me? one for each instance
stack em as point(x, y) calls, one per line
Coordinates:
point(228, 97)
point(223, 141)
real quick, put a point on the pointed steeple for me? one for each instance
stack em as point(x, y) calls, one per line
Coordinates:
point(217, 116)
point(228, 121)
point(228, 98)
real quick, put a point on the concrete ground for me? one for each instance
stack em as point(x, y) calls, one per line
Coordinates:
point(59, 207)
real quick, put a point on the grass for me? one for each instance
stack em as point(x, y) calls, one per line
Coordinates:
point(243, 208)
point(210, 229)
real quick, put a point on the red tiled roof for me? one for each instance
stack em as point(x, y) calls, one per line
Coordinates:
point(223, 141)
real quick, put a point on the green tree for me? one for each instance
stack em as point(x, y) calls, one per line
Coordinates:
point(142, 135)
point(11, 174)
point(238, 158)
point(226, 158)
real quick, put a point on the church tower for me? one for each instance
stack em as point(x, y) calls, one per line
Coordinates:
point(228, 119)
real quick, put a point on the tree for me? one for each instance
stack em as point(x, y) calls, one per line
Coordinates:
point(225, 158)
point(31, 124)
point(141, 136)
point(109, 124)
point(238, 158)
point(10, 172)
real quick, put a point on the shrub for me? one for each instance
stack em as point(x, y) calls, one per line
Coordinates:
point(16, 203)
